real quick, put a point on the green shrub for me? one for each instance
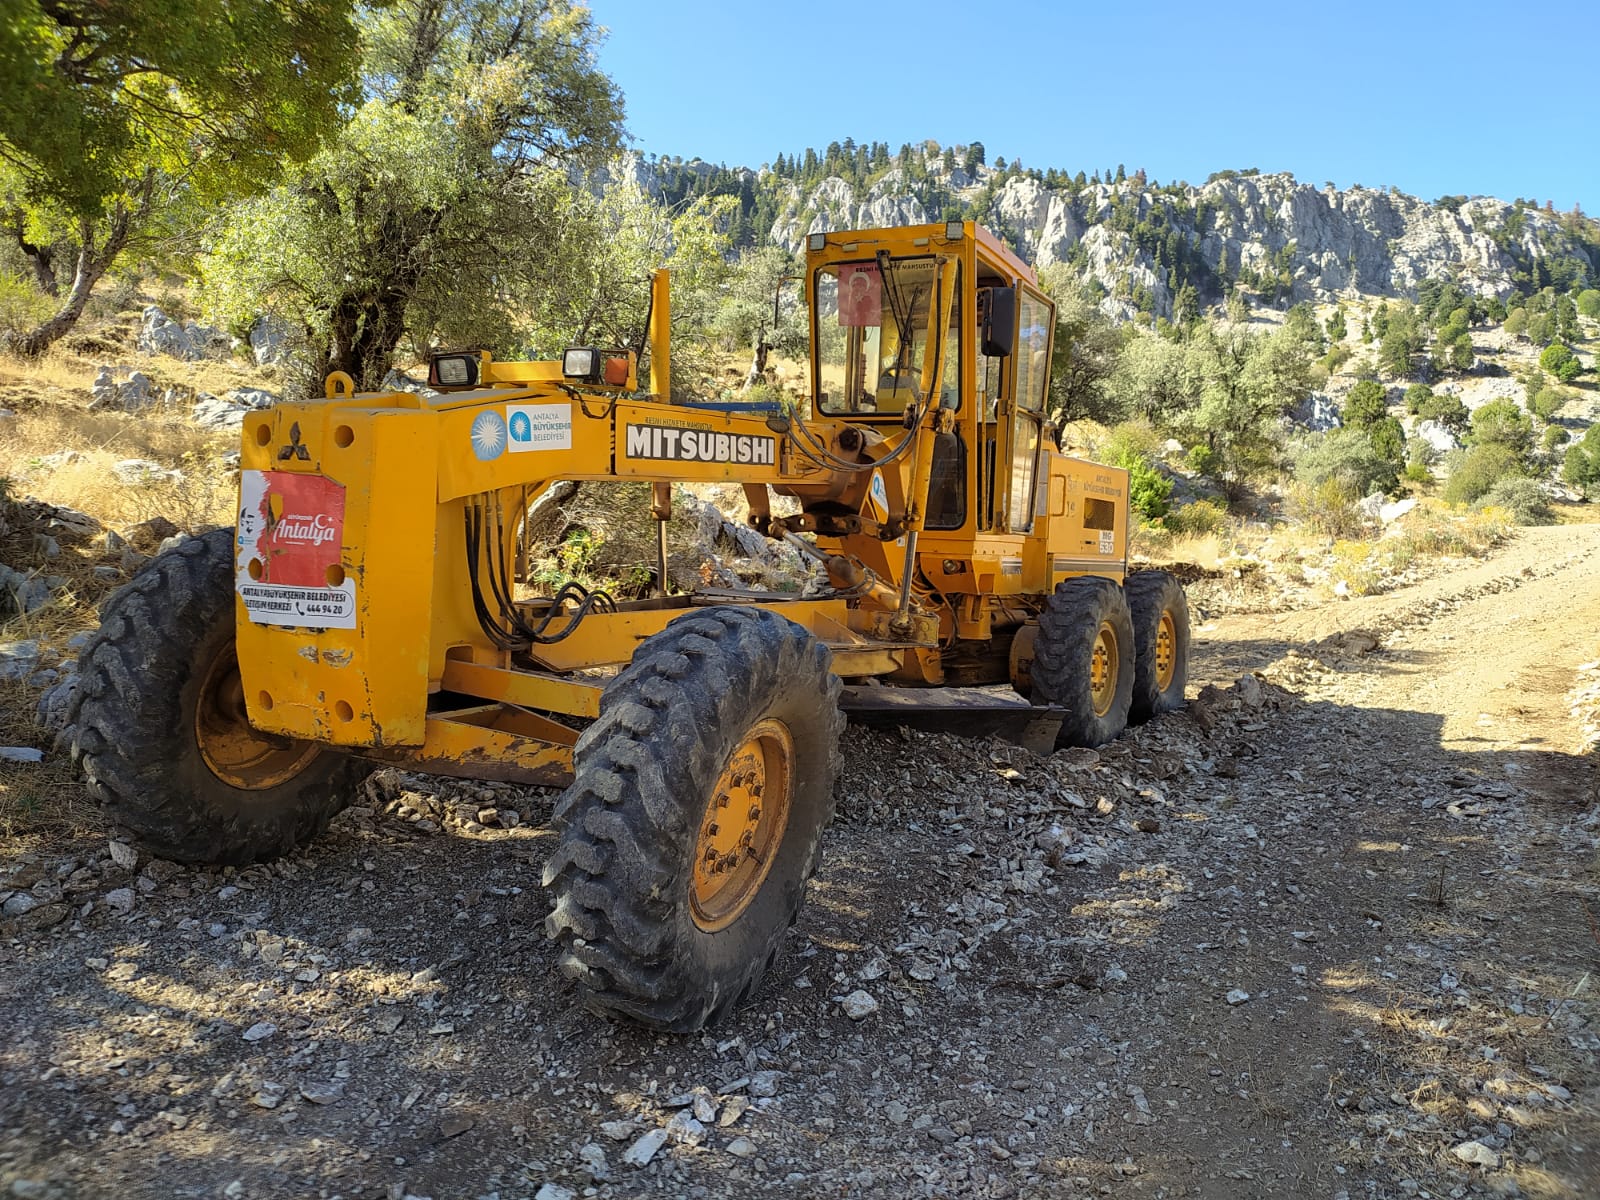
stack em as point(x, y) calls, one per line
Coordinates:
point(1502, 422)
point(1589, 303)
point(1524, 499)
point(1547, 401)
point(1367, 404)
point(1198, 519)
point(1327, 507)
point(1388, 438)
point(1417, 395)
point(1560, 361)
point(22, 306)
point(1134, 446)
point(1477, 469)
point(1348, 456)
point(1581, 466)
point(1417, 472)
point(1447, 410)
point(1205, 462)
point(1148, 488)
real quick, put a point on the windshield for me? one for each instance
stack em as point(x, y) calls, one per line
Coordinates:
point(871, 333)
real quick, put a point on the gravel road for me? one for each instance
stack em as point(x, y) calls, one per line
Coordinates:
point(1328, 933)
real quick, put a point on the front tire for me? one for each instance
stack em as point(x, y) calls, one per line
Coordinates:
point(694, 818)
point(1161, 637)
point(160, 730)
point(1084, 659)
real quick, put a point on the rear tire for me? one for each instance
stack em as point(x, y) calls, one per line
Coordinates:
point(1084, 659)
point(159, 728)
point(662, 915)
point(1161, 640)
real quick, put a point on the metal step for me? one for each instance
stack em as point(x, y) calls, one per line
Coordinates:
point(968, 712)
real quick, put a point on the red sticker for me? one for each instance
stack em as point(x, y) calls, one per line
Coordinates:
point(291, 539)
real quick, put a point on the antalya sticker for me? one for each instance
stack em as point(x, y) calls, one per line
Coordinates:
point(290, 550)
point(539, 426)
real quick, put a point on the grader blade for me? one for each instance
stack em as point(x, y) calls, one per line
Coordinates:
point(969, 712)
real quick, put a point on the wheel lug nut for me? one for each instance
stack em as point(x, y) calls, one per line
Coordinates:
point(755, 812)
point(711, 829)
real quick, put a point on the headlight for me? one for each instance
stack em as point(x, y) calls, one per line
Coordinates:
point(581, 362)
point(453, 370)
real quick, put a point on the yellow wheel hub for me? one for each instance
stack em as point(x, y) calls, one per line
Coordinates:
point(236, 753)
point(1103, 666)
point(743, 826)
point(1166, 651)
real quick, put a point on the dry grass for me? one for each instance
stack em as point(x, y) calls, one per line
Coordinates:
point(1576, 514)
point(41, 803)
point(204, 496)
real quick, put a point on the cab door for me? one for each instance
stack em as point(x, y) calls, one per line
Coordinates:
point(1031, 381)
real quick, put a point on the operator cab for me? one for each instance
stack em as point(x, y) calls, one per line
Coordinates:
point(881, 306)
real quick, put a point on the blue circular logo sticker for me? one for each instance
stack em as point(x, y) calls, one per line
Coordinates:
point(489, 436)
point(521, 427)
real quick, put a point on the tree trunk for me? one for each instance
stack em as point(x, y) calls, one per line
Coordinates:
point(758, 361)
point(40, 258)
point(366, 330)
point(92, 264)
point(41, 337)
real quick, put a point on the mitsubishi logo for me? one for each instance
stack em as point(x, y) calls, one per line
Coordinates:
point(295, 448)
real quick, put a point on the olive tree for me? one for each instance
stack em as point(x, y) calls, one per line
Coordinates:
point(113, 112)
point(436, 203)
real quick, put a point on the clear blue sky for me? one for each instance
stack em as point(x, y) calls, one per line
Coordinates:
point(1493, 98)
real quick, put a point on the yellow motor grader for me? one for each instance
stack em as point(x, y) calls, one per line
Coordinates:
point(366, 607)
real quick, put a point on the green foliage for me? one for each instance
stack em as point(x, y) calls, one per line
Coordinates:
point(1417, 472)
point(1148, 488)
point(1517, 322)
point(1388, 438)
point(1547, 401)
point(1205, 462)
point(22, 305)
point(1524, 499)
point(762, 311)
point(93, 94)
point(1478, 468)
point(1502, 423)
point(1367, 404)
point(1401, 341)
point(1327, 507)
point(1417, 395)
point(1554, 437)
point(1580, 468)
point(1151, 379)
point(1559, 360)
point(1133, 445)
point(445, 206)
point(1337, 329)
point(1246, 382)
point(1588, 303)
point(1198, 519)
point(1348, 456)
point(1446, 409)
point(1086, 351)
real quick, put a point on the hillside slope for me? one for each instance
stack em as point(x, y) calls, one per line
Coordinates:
point(1142, 243)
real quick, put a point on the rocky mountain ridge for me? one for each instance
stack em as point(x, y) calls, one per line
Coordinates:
point(1283, 240)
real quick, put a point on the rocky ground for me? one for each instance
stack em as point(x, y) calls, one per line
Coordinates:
point(1329, 933)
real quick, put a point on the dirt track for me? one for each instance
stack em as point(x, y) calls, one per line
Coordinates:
point(1316, 945)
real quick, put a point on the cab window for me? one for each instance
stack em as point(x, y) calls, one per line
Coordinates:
point(1035, 327)
point(871, 322)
